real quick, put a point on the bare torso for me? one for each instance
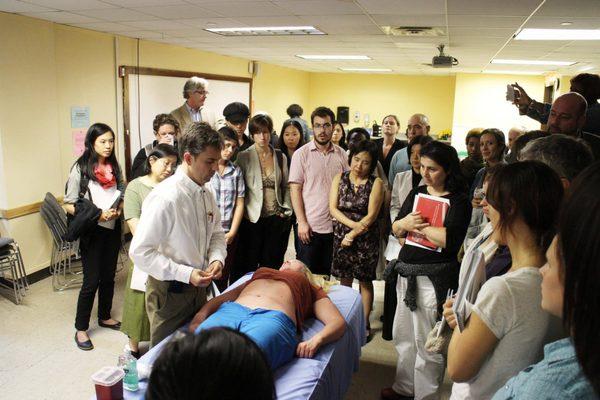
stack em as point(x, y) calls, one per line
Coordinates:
point(269, 294)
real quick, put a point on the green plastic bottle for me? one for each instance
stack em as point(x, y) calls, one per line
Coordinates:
point(131, 381)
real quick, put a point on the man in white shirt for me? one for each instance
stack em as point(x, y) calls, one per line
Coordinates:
point(179, 241)
point(195, 92)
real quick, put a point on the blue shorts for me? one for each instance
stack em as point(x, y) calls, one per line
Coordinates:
point(273, 331)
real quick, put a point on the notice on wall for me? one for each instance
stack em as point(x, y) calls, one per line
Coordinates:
point(80, 117)
point(78, 141)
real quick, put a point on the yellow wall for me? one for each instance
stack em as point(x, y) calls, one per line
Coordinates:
point(380, 95)
point(480, 101)
point(46, 68)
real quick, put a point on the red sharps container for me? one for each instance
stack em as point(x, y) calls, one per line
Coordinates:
point(109, 383)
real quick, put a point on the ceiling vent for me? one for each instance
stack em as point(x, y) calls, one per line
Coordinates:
point(413, 31)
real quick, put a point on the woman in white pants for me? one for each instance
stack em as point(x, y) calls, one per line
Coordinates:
point(426, 275)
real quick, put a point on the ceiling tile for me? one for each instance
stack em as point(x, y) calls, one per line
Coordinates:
point(487, 21)
point(62, 17)
point(149, 35)
point(107, 27)
point(117, 15)
point(14, 6)
point(158, 25)
point(481, 32)
point(72, 5)
point(179, 12)
point(571, 8)
point(555, 22)
point(410, 20)
point(515, 8)
point(320, 7)
point(477, 28)
point(143, 3)
point(409, 7)
point(215, 22)
point(234, 9)
point(269, 21)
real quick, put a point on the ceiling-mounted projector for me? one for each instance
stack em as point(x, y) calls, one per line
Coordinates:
point(443, 60)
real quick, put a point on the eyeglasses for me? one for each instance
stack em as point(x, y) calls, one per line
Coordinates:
point(201, 92)
point(326, 125)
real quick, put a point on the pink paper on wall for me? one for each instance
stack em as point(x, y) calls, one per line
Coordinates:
point(78, 141)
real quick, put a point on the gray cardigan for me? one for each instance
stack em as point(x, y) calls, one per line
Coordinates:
point(72, 193)
point(250, 165)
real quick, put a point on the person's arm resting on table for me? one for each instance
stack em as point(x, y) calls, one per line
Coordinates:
point(335, 326)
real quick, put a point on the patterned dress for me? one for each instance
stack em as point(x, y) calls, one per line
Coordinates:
point(360, 259)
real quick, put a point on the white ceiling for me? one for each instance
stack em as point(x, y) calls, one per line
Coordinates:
point(475, 30)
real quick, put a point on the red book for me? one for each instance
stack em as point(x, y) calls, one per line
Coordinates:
point(433, 210)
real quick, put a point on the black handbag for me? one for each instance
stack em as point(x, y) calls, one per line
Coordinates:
point(86, 214)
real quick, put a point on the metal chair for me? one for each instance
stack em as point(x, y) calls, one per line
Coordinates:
point(65, 274)
point(11, 262)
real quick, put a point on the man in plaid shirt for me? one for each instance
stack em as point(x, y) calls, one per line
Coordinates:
point(229, 189)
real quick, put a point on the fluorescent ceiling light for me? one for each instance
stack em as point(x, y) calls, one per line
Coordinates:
point(533, 62)
point(558, 34)
point(267, 31)
point(366, 69)
point(588, 68)
point(332, 57)
point(498, 71)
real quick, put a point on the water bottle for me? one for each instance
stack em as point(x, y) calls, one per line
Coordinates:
point(129, 365)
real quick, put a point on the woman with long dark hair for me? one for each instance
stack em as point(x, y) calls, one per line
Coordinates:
point(570, 368)
point(290, 139)
point(507, 327)
point(339, 135)
point(160, 164)
point(96, 175)
point(425, 275)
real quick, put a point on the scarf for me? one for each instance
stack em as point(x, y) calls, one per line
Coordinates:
point(104, 175)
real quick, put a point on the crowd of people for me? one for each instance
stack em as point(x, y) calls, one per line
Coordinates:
point(207, 202)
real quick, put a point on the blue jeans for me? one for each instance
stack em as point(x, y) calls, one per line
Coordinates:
point(273, 331)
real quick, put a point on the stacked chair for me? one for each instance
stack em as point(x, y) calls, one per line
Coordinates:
point(13, 280)
point(66, 271)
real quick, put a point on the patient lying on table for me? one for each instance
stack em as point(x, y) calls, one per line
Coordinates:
point(270, 308)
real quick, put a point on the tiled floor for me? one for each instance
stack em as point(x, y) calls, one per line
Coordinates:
point(39, 359)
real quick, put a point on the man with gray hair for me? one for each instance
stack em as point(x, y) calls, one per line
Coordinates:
point(179, 241)
point(417, 125)
point(195, 91)
point(566, 155)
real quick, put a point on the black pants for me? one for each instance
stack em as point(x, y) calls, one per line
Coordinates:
point(99, 254)
point(317, 254)
point(389, 306)
point(260, 244)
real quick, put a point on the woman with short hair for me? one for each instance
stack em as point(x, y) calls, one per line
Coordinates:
point(166, 130)
point(355, 200)
point(262, 234)
point(389, 145)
